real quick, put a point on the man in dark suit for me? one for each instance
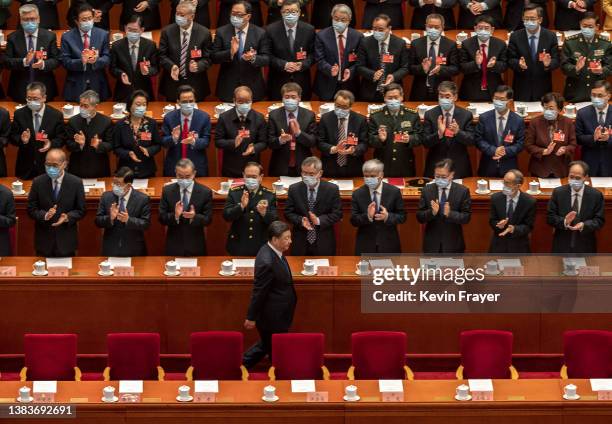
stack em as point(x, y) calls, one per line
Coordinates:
point(291, 133)
point(469, 10)
point(186, 134)
point(250, 208)
point(5, 134)
point(391, 8)
point(273, 300)
point(314, 208)
point(323, 11)
point(56, 203)
point(336, 55)
point(444, 208)
point(31, 55)
point(512, 216)
point(576, 212)
point(202, 15)
point(124, 214)
point(483, 62)
point(500, 136)
point(568, 13)
point(185, 208)
point(134, 61)
point(49, 18)
point(148, 10)
point(513, 17)
point(593, 132)
point(424, 8)
point(382, 60)
point(89, 139)
point(35, 129)
point(243, 50)
point(377, 208)
point(343, 138)
point(448, 132)
point(224, 15)
point(533, 55)
point(433, 59)
point(8, 219)
point(184, 54)
point(242, 134)
point(85, 55)
point(291, 51)
point(101, 9)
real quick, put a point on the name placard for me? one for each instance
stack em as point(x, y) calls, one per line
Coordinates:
point(588, 271)
point(205, 397)
point(327, 271)
point(245, 271)
point(149, 191)
point(190, 271)
point(317, 397)
point(392, 396)
point(124, 271)
point(95, 191)
point(8, 271)
point(514, 271)
point(58, 271)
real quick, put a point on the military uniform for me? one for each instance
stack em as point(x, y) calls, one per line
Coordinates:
point(249, 229)
point(578, 84)
point(397, 156)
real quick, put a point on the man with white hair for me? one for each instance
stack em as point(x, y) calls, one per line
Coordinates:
point(31, 55)
point(49, 17)
point(322, 10)
point(377, 208)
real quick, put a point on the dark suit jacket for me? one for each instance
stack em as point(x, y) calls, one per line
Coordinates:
point(467, 19)
point(17, 49)
point(391, 8)
point(377, 236)
point(200, 123)
point(102, 5)
point(186, 237)
point(62, 240)
point(281, 53)
point(597, 154)
point(150, 17)
point(124, 239)
point(369, 61)
point(454, 148)
point(321, 12)
point(8, 218)
point(523, 80)
point(568, 19)
point(226, 131)
point(487, 142)
point(328, 209)
point(88, 162)
point(49, 18)
point(420, 13)
point(202, 16)
point(125, 141)
point(523, 219)
point(273, 299)
point(472, 73)
point(224, 9)
point(277, 120)
point(444, 234)
point(327, 138)
point(5, 132)
point(31, 162)
point(94, 75)
point(418, 52)
point(513, 18)
point(121, 61)
point(538, 138)
point(326, 56)
point(591, 214)
point(170, 55)
point(237, 71)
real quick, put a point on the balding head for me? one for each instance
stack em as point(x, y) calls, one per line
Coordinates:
point(55, 163)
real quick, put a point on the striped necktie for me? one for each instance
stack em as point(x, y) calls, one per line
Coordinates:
point(184, 48)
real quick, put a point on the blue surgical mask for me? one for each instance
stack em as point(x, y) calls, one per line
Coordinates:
point(29, 27)
point(118, 190)
point(393, 104)
point(507, 191)
point(34, 106)
point(181, 21)
point(310, 181)
point(446, 104)
point(587, 33)
point(598, 102)
point(85, 113)
point(291, 18)
point(500, 105)
point(187, 108)
point(251, 183)
point(86, 26)
point(441, 182)
point(132, 37)
point(236, 21)
point(576, 184)
point(379, 35)
point(291, 105)
point(433, 33)
point(531, 26)
point(339, 26)
point(184, 183)
point(483, 35)
point(243, 108)
point(53, 172)
point(550, 115)
point(371, 182)
point(139, 111)
point(341, 113)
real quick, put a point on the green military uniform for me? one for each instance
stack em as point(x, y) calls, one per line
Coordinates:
point(397, 156)
point(578, 84)
point(249, 229)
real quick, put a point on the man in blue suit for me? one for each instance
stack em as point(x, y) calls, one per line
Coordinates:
point(500, 136)
point(336, 55)
point(593, 131)
point(186, 134)
point(85, 55)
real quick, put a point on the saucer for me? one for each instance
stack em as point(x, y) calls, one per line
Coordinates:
point(569, 274)
point(360, 273)
point(571, 116)
point(227, 274)
point(493, 273)
point(468, 397)
point(115, 116)
point(105, 274)
point(40, 274)
point(566, 397)
point(534, 193)
point(172, 274)
point(222, 192)
point(309, 274)
point(274, 399)
point(19, 193)
point(115, 399)
point(351, 399)
point(188, 399)
point(19, 399)
point(280, 192)
point(482, 191)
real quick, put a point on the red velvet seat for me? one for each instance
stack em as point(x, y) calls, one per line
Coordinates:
point(50, 357)
point(133, 356)
point(298, 356)
point(486, 354)
point(216, 355)
point(379, 355)
point(587, 354)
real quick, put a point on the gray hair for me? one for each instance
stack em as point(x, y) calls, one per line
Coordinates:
point(185, 163)
point(28, 8)
point(313, 161)
point(187, 5)
point(37, 86)
point(373, 165)
point(347, 95)
point(342, 8)
point(90, 95)
point(518, 176)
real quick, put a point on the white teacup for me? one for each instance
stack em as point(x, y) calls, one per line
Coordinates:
point(117, 36)
point(105, 267)
point(24, 394)
point(68, 109)
point(421, 109)
point(118, 108)
point(461, 37)
point(559, 38)
point(521, 109)
point(227, 267)
point(168, 108)
point(570, 266)
point(269, 392)
point(171, 267)
point(1, 37)
point(17, 186)
point(492, 267)
point(570, 391)
point(534, 186)
point(309, 266)
point(108, 393)
point(39, 266)
point(183, 392)
point(350, 392)
point(225, 185)
point(473, 110)
point(463, 391)
point(278, 186)
point(483, 185)
point(570, 109)
point(363, 267)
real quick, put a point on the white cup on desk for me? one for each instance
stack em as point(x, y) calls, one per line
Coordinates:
point(17, 186)
point(105, 267)
point(269, 393)
point(227, 267)
point(473, 110)
point(309, 267)
point(462, 392)
point(118, 108)
point(534, 186)
point(117, 36)
point(570, 110)
point(363, 267)
point(183, 393)
point(171, 267)
point(521, 109)
point(108, 394)
point(570, 266)
point(350, 393)
point(24, 394)
point(225, 186)
point(278, 186)
point(169, 108)
point(491, 267)
point(483, 185)
point(68, 109)
point(40, 267)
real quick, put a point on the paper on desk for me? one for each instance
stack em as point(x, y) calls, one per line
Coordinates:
point(481, 385)
point(496, 185)
point(244, 263)
point(148, 35)
point(393, 386)
point(549, 182)
point(52, 262)
point(457, 181)
point(532, 107)
point(503, 263)
point(119, 261)
point(140, 183)
point(206, 386)
point(581, 105)
point(442, 262)
point(482, 107)
point(89, 182)
point(570, 33)
point(343, 185)
point(605, 182)
point(130, 386)
point(287, 181)
point(44, 387)
point(381, 263)
point(186, 262)
point(578, 261)
point(319, 262)
point(600, 384)
point(97, 184)
point(303, 386)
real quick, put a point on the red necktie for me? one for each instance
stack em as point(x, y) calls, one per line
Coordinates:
point(483, 67)
point(85, 41)
point(340, 53)
point(184, 135)
point(291, 143)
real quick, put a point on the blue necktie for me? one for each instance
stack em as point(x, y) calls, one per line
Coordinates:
point(442, 201)
point(240, 43)
point(375, 200)
point(284, 261)
point(510, 210)
point(185, 200)
point(533, 47)
point(56, 189)
point(122, 204)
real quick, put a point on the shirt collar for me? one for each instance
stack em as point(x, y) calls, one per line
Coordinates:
point(188, 29)
point(516, 197)
point(244, 30)
point(536, 34)
point(278, 252)
point(505, 115)
point(126, 196)
point(83, 34)
point(579, 192)
point(59, 179)
point(343, 33)
point(287, 27)
point(40, 112)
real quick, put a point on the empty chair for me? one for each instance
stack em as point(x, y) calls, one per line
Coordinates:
point(486, 354)
point(216, 355)
point(379, 355)
point(298, 356)
point(587, 354)
point(133, 356)
point(50, 357)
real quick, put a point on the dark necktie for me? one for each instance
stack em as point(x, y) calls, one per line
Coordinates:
point(340, 158)
point(240, 43)
point(122, 204)
point(483, 67)
point(291, 39)
point(500, 131)
point(375, 200)
point(183, 58)
point(56, 190)
point(533, 47)
point(31, 48)
point(311, 235)
point(575, 208)
point(185, 200)
point(383, 51)
point(442, 201)
point(134, 56)
point(432, 57)
point(510, 210)
point(36, 122)
point(602, 118)
point(287, 268)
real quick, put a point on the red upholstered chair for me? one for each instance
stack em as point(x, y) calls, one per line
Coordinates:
point(50, 357)
point(133, 356)
point(379, 355)
point(587, 354)
point(216, 355)
point(298, 356)
point(486, 354)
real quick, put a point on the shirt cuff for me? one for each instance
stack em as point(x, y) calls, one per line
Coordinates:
point(484, 6)
point(571, 4)
point(25, 63)
point(438, 3)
